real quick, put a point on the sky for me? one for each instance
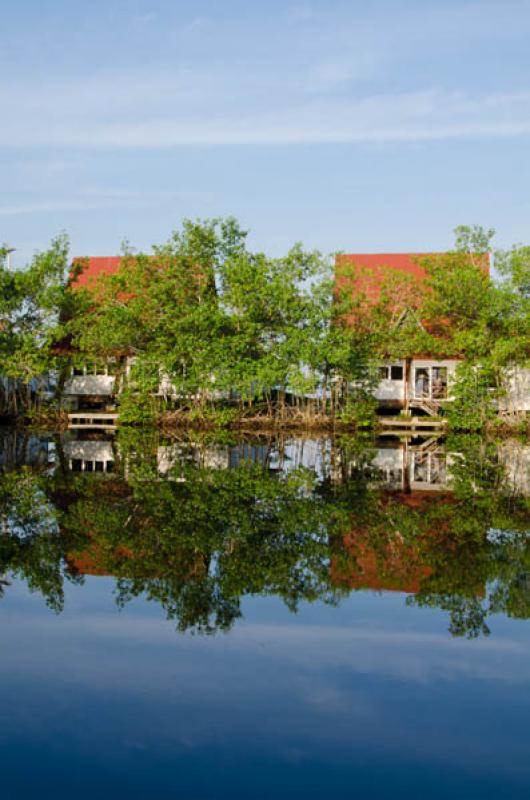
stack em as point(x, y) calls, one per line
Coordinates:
point(355, 126)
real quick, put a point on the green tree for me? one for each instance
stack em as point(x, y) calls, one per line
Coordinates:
point(31, 303)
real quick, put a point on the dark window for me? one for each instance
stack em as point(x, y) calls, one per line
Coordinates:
point(383, 373)
point(396, 373)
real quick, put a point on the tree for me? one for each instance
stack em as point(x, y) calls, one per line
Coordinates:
point(31, 301)
point(216, 319)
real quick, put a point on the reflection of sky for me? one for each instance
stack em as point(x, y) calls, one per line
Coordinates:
point(371, 699)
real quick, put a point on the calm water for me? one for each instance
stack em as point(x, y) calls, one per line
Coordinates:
point(264, 619)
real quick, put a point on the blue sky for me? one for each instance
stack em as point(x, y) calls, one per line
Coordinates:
point(345, 125)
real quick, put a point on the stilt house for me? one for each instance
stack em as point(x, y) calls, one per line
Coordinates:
point(421, 381)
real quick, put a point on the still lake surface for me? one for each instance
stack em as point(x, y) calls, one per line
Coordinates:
point(264, 618)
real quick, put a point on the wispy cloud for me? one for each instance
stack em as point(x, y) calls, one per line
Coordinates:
point(333, 74)
point(197, 24)
point(299, 13)
point(205, 110)
point(91, 199)
point(141, 20)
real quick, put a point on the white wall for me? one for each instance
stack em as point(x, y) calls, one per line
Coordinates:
point(517, 391)
point(388, 389)
point(89, 451)
point(90, 384)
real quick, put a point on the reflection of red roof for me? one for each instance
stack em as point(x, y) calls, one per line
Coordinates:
point(397, 568)
point(95, 560)
point(93, 267)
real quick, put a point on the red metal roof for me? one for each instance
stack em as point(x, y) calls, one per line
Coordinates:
point(92, 267)
point(404, 262)
point(375, 267)
point(372, 271)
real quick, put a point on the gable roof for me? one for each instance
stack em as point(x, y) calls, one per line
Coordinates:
point(374, 268)
point(372, 271)
point(93, 267)
point(404, 262)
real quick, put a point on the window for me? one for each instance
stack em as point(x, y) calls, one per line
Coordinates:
point(422, 383)
point(383, 373)
point(430, 382)
point(421, 468)
point(396, 373)
point(438, 469)
point(429, 468)
point(439, 382)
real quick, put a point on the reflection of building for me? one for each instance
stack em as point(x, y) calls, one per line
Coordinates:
point(18, 448)
point(399, 465)
point(514, 456)
point(429, 470)
point(313, 454)
point(89, 456)
point(407, 547)
point(172, 456)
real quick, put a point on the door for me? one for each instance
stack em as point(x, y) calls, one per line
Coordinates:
point(430, 383)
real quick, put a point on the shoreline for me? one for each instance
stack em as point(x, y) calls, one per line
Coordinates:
point(174, 422)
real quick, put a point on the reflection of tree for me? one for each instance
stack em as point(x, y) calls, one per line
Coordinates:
point(197, 545)
point(200, 539)
point(30, 547)
point(441, 547)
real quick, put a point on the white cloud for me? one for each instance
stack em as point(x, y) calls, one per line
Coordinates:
point(299, 14)
point(91, 199)
point(333, 74)
point(197, 24)
point(415, 657)
point(141, 20)
point(189, 108)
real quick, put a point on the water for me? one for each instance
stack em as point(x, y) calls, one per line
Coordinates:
point(264, 618)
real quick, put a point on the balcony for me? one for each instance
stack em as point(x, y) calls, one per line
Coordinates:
point(95, 385)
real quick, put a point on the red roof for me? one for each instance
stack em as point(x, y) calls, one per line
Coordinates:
point(404, 262)
point(92, 267)
point(375, 267)
point(372, 271)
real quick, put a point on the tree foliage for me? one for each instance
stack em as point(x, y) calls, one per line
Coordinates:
point(211, 325)
point(200, 539)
